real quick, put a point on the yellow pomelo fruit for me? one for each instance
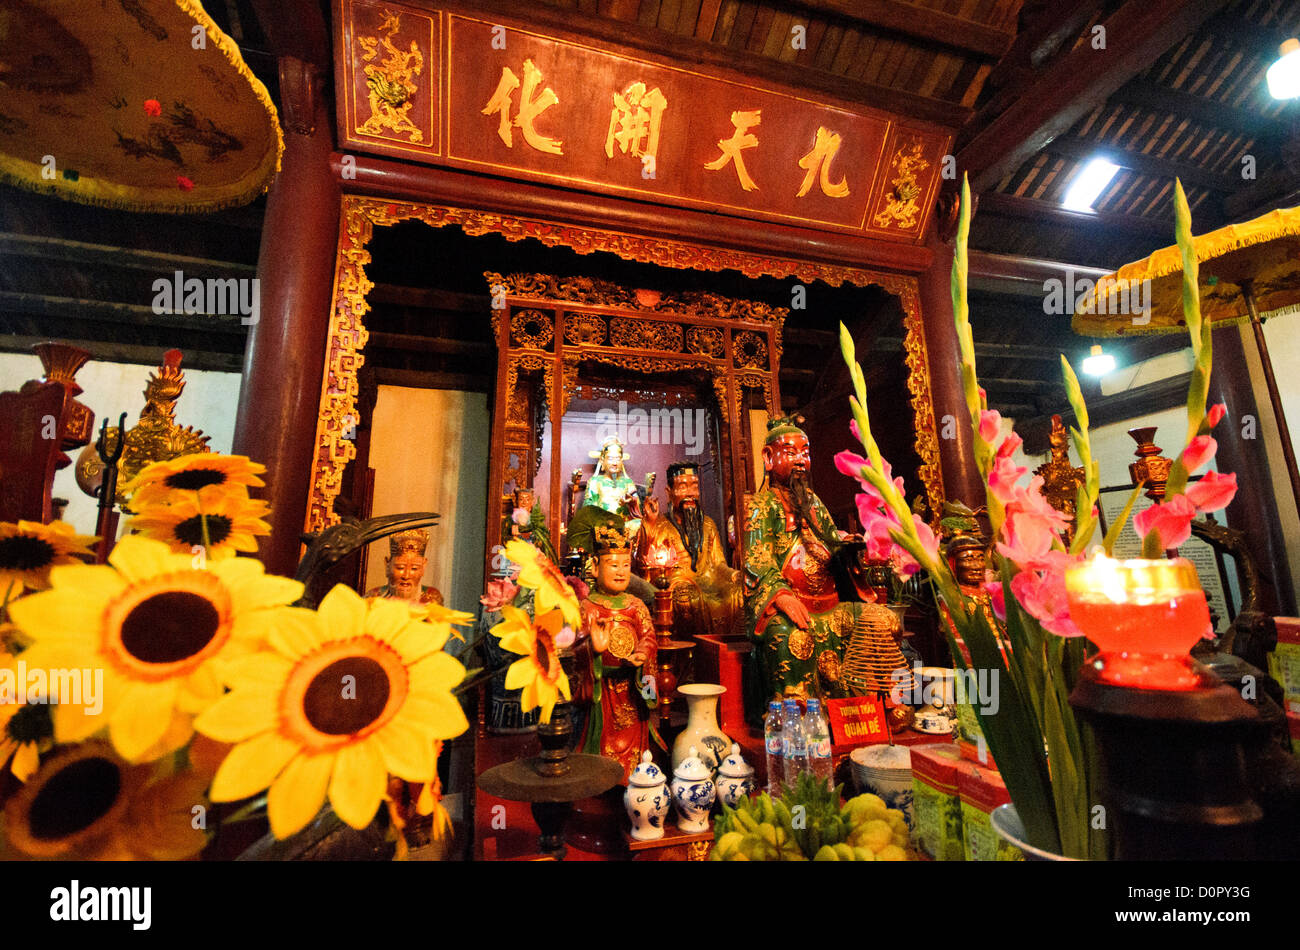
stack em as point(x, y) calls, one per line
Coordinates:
point(875, 834)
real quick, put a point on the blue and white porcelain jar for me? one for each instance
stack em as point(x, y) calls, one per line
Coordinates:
point(693, 793)
point(735, 778)
point(646, 800)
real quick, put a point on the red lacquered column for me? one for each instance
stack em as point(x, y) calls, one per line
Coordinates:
point(285, 354)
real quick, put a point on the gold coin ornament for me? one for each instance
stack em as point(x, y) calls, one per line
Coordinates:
point(801, 645)
point(622, 641)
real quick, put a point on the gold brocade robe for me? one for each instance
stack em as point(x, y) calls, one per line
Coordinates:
point(707, 599)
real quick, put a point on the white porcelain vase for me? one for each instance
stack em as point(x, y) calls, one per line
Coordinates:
point(702, 730)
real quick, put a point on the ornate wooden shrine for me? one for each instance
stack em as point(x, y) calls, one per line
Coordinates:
point(551, 331)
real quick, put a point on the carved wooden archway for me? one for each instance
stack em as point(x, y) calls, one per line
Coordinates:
point(554, 325)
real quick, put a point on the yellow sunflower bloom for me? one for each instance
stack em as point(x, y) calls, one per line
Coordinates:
point(537, 572)
point(24, 728)
point(29, 549)
point(234, 521)
point(191, 473)
point(87, 803)
point(345, 697)
point(156, 628)
point(538, 674)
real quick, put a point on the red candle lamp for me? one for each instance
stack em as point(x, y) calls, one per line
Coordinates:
point(1144, 616)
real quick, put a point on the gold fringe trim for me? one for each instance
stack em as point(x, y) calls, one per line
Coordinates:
point(27, 175)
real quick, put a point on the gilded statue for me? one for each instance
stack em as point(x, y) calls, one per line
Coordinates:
point(616, 660)
point(685, 543)
point(405, 566)
point(1061, 480)
point(800, 628)
point(611, 488)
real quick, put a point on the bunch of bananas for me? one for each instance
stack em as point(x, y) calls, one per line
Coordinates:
point(807, 823)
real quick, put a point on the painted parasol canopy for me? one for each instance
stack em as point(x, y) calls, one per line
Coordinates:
point(1264, 252)
point(137, 104)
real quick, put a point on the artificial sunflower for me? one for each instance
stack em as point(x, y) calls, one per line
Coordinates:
point(539, 673)
point(537, 572)
point(87, 803)
point(158, 482)
point(156, 627)
point(233, 521)
point(343, 698)
point(24, 728)
point(29, 549)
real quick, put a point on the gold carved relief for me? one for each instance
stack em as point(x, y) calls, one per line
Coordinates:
point(584, 329)
point(639, 334)
point(902, 209)
point(532, 328)
point(705, 341)
point(749, 350)
point(392, 82)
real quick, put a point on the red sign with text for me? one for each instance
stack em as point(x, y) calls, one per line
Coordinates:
point(493, 95)
point(859, 720)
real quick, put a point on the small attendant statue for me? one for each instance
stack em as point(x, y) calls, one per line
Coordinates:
point(405, 567)
point(527, 523)
point(611, 487)
point(617, 659)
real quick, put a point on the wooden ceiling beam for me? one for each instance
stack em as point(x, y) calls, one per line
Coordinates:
point(104, 351)
point(130, 314)
point(1278, 188)
point(1154, 97)
point(1022, 276)
point(932, 27)
point(426, 344)
point(108, 255)
point(689, 51)
point(1031, 209)
point(1056, 24)
point(1055, 99)
point(1084, 149)
point(1035, 386)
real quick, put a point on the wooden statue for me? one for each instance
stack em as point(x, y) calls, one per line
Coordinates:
point(405, 567)
point(799, 626)
point(685, 544)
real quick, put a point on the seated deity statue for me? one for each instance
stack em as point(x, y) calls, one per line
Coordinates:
point(616, 658)
point(527, 523)
point(405, 566)
point(800, 628)
point(685, 543)
point(611, 487)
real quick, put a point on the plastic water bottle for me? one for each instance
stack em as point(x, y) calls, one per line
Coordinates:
point(794, 748)
point(775, 754)
point(818, 737)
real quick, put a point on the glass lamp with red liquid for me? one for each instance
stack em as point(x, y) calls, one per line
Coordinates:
point(1144, 616)
point(660, 558)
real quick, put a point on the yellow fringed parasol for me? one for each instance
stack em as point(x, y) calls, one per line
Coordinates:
point(1248, 272)
point(145, 106)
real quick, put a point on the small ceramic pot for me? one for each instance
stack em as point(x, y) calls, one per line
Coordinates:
point(693, 793)
point(735, 778)
point(646, 800)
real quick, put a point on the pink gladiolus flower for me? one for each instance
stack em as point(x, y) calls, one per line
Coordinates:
point(1215, 415)
point(565, 637)
point(499, 593)
point(1027, 537)
point(1213, 491)
point(851, 464)
point(853, 427)
point(1198, 453)
point(990, 424)
point(1172, 521)
point(1002, 479)
point(997, 599)
point(1009, 446)
point(1040, 590)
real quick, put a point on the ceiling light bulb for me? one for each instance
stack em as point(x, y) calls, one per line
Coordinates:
point(1089, 183)
point(1284, 75)
point(1098, 363)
